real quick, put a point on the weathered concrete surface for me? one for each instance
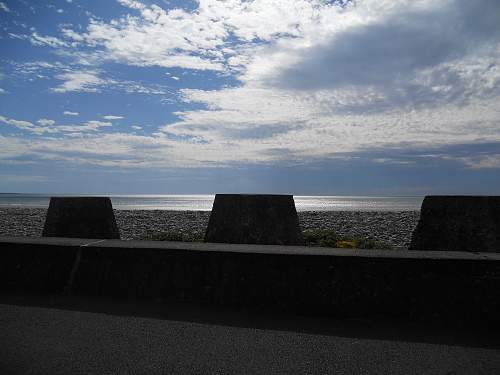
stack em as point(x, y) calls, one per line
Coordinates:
point(430, 286)
point(254, 219)
point(458, 223)
point(80, 217)
point(43, 265)
point(54, 341)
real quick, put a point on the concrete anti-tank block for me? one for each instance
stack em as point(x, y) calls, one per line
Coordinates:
point(458, 223)
point(254, 219)
point(81, 217)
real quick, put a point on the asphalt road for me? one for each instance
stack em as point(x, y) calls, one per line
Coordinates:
point(40, 340)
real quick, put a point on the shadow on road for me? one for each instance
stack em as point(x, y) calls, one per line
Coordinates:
point(479, 336)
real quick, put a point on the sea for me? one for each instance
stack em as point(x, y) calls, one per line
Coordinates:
point(204, 202)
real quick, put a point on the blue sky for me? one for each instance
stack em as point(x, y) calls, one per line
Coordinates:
point(397, 97)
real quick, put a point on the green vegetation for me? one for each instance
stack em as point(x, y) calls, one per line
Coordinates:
point(173, 236)
point(328, 238)
point(312, 237)
point(320, 237)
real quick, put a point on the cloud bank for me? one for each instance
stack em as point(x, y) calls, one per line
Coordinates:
point(314, 80)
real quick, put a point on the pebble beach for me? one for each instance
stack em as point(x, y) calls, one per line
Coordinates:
point(390, 227)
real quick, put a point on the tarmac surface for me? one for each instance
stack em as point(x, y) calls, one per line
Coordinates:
point(56, 335)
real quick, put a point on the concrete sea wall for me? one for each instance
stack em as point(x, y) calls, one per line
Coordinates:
point(262, 219)
point(75, 217)
point(457, 287)
point(458, 223)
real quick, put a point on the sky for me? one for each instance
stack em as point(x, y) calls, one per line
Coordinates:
point(308, 97)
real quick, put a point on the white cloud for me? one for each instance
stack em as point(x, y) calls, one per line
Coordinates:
point(111, 117)
point(200, 39)
point(17, 123)
point(46, 122)
point(4, 7)
point(266, 125)
point(36, 68)
point(74, 36)
point(139, 88)
point(50, 126)
point(316, 80)
point(117, 149)
point(69, 113)
point(159, 38)
point(136, 127)
point(482, 161)
point(172, 38)
point(39, 40)
point(89, 126)
point(218, 35)
point(383, 53)
point(315, 45)
point(315, 91)
point(11, 148)
point(2, 91)
point(193, 143)
point(132, 4)
point(26, 125)
point(85, 81)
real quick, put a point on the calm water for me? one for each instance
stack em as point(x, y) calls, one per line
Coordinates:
point(204, 202)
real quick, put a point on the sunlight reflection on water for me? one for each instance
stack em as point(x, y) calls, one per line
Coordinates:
point(204, 202)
